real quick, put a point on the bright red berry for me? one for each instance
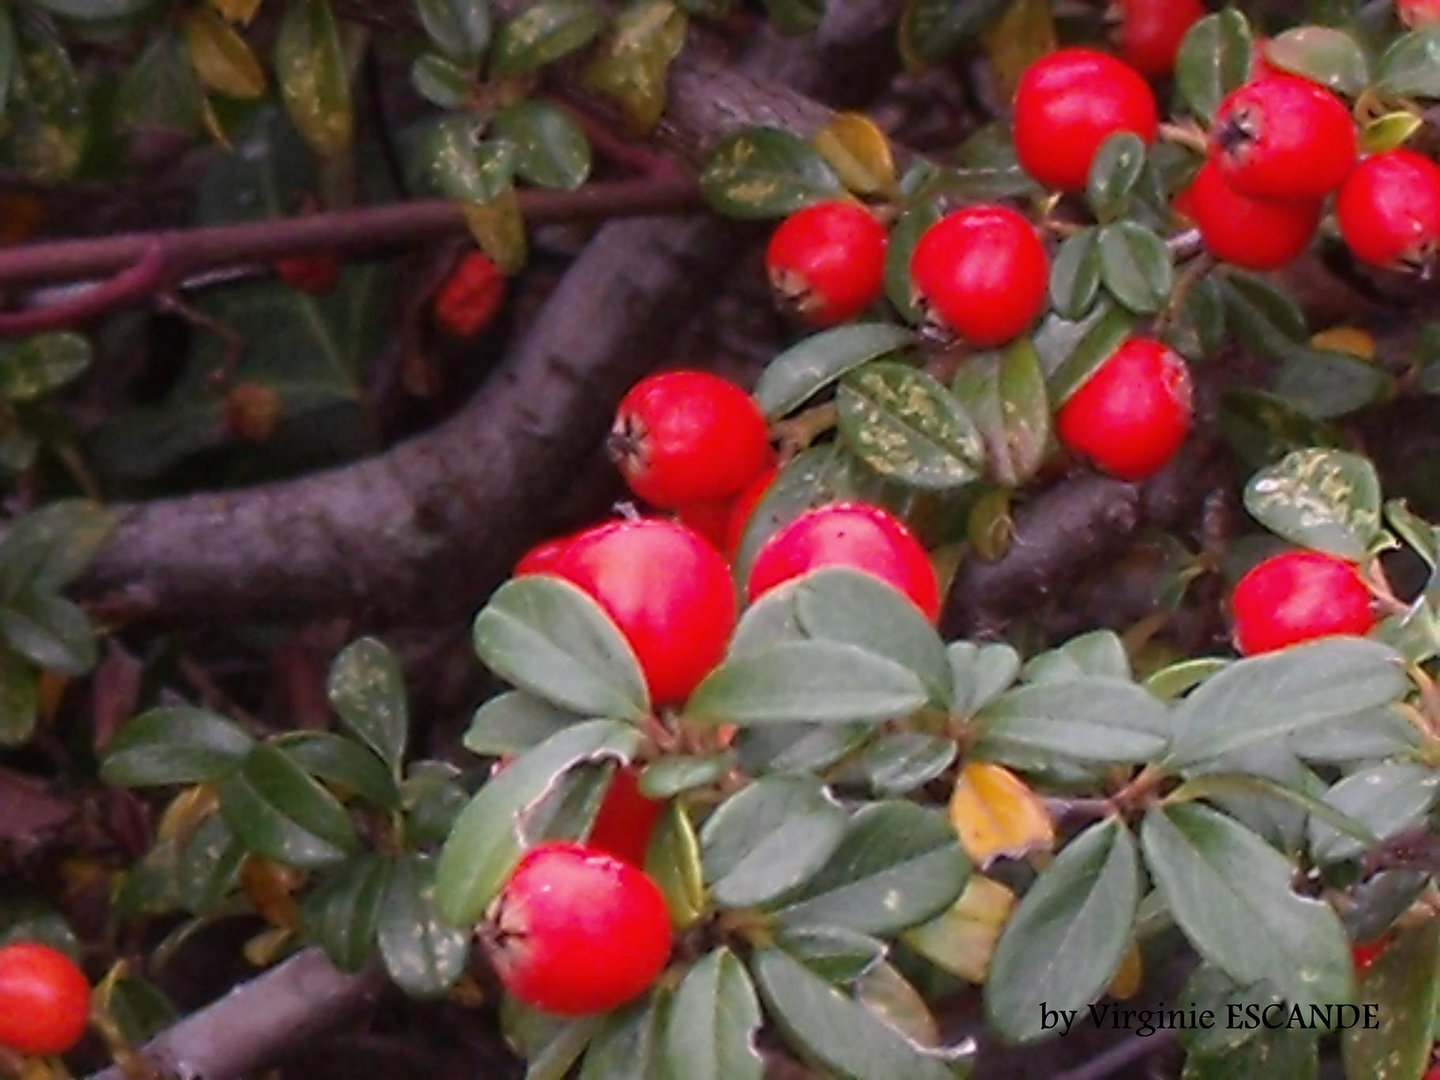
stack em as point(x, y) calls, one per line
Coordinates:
point(853, 535)
point(1148, 33)
point(1070, 102)
point(668, 591)
point(1283, 137)
point(1260, 234)
point(1365, 953)
point(1389, 210)
point(827, 262)
point(688, 436)
point(315, 273)
point(982, 273)
point(709, 517)
point(470, 297)
point(743, 509)
point(1298, 596)
point(1418, 13)
point(626, 819)
point(542, 558)
point(44, 999)
point(576, 931)
point(1133, 413)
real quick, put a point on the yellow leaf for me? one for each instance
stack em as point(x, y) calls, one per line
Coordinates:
point(237, 11)
point(633, 63)
point(1389, 131)
point(995, 813)
point(314, 77)
point(962, 940)
point(51, 687)
point(269, 886)
point(1125, 983)
point(268, 946)
point(211, 123)
point(186, 812)
point(1017, 39)
point(859, 153)
point(499, 229)
point(221, 57)
point(1350, 340)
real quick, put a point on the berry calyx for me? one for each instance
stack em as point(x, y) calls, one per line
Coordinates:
point(1259, 234)
point(1298, 596)
point(1389, 210)
point(981, 273)
point(853, 535)
point(44, 999)
point(1283, 137)
point(826, 262)
point(1418, 13)
point(626, 819)
point(666, 589)
point(576, 931)
point(1132, 415)
point(1067, 104)
point(315, 273)
point(688, 436)
point(1147, 33)
point(469, 299)
point(542, 558)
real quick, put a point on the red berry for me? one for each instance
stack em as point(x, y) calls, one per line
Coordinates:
point(743, 508)
point(1148, 32)
point(1283, 137)
point(827, 262)
point(688, 436)
point(44, 999)
point(315, 273)
point(626, 819)
point(854, 535)
point(1070, 102)
point(981, 272)
point(1131, 416)
point(1389, 210)
point(577, 931)
point(1260, 234)
point(667, 590)
point(1418, 13)
point(1297, 597)
point(1365, 953)
point(470, 297)
point(542, 558)
point(710, 518)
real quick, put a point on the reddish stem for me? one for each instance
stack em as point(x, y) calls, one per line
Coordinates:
point(146, 276)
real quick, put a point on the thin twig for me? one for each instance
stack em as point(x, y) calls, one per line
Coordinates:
point(147, 275)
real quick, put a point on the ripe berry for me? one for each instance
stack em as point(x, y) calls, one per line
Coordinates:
point(1148, 33)
point(667, 590)
point(855, 535)
point(44, 999)
point(1298, 596)
point(1070, 102)
point(743, 508)
point(1131, 416)
point(315, 273)
point(1283, 137)
point(982, 273)
point(470, 297)
point(1260, 234)
point(688, 436)
point(827, 262)
point(1418, 13)
point(577, 931)
point(542, 558)
point(1389, 210)
point(1365, 953)
point(626, 819)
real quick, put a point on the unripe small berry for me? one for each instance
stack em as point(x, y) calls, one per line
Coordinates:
point(1283, 137)
point(827, 262)
point(1298, 596)
point(470, 298)
point(1389, 210)
point(315, 273)
point(44, 999)
point(1148, 33)
point(1259, 234)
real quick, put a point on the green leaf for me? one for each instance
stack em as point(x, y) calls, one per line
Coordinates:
point(766, 172)
point(342, 915)
point(462, 167)
point(933, 29)
point(1263, 698)
point(49, 631)
point(673, 862)
point(1403, 987)
point(836, 955)
point(632, 66)
point(9, 56)
point(97, 11)
point(1323, 55)
point(161, 94)
point(1098, 652)
point(1320, 498)
point(897, 865)
point(278, 811)
point(714, 1019)
point(1065, 939)
point(1235, 788)
point(551, 150)
point(1199, 329)
point(1075, 274)
point(441, 81)
point(1263, 428)
point(1385, 798)
point(209, 867)
point(1082, 719)
point(1135, 266)
point(1104, 330)
point(822, 681)
point(174, 746)
point(795, 16)
point(1230, 893)
point(423, 956)
point(904, 235)
point(1411, 66)
point(1214, 58)
point(550, 1045)
point(1114, 171)
point(845, 1037)
point(46, 123)
point(548, 637)
point(908, 428)
point(630, 1042)
point(543, 33)
point(1324, 384)
point(367, 691)
point(461, 28)
point(48, 549)
point(314, 81)
point(1269, 318)
point(512, 723)
point(671, 776)
point(1004, 393)
point(900, 763)
point(344, 764)
point(779, 748)
point(768, 839)
point(806, 368)
point(1369, 735)
point(432, 797)
point(19, 700)
point(981, 673)
point(487, 840)
point(42, 363)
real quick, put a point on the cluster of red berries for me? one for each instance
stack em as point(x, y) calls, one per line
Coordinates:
point(44, 1000)
point(1297, 597)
